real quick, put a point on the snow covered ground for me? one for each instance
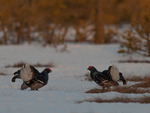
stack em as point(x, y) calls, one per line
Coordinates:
point(66, 83)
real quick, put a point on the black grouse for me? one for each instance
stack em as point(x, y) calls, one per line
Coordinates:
point(103, 80)
point(121, 78)
point(32, 77)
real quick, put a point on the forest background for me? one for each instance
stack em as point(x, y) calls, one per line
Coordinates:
point(49, 21)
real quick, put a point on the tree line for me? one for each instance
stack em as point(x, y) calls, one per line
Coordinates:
point(48, 21)
point(137, 37)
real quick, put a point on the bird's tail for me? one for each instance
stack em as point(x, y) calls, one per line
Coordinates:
point(26, 73)
point(114, 71)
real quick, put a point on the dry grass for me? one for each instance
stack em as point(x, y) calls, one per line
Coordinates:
point(51, 64)
point(1, 73)
point(143, 100)
point(20, 64)
point(133, 61)
point(120, 90)
point(136, 88)
point(138, 79)
point(130, 90)
point(141, 85)
point(95, 91)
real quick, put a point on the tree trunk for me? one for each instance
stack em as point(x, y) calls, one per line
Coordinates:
point(64, 34)
point(19, 35)
point(77, 33)
point(148, 44)
point(5, 35)
point(28, 34)
point(99, 23)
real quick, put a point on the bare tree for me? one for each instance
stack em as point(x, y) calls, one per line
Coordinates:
point(99, 23)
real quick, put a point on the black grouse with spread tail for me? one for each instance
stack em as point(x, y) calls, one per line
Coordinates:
point(32, 77)
point(121, 78)
point(101, 79)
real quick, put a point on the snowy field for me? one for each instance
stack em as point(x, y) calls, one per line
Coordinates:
point(67, 84)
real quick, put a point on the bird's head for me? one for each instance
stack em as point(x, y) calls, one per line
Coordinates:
point(48, 70)
point(90, 68)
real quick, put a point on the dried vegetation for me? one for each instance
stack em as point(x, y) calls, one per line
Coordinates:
point(20, 64)
point(141, 86)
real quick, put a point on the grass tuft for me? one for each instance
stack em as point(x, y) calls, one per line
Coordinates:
point(138, 78)
point(133, 61)
point(142, 100)
point(120, 89)
point(1, 73)
point(20, 64)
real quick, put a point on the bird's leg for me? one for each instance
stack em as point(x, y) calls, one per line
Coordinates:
point(108, 88)
point(103, 88)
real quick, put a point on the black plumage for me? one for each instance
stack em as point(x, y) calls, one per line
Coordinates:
point(36, 79)
point(101, 79)
point(121, 78)
point(43, 76)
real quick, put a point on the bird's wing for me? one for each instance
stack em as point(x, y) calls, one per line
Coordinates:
point(34, 69)
point(101, 77)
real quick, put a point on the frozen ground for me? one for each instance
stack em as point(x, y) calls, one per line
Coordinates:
point(66, 84)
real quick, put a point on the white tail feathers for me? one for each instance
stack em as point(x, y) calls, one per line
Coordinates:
point(26, 73)
point(114, 71)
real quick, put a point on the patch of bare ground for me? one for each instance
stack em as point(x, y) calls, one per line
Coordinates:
point(95, 91)
point(20, 64)
point(142, 100)
point(131, 60)
point(51, 64)
point(141, 85)
point(129, 90)
point(2, 74)
point(138, 78)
